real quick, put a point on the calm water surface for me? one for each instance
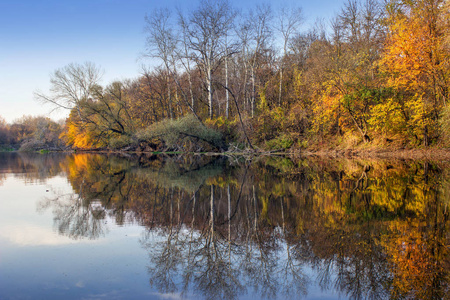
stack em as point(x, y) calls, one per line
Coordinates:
point(101, 227)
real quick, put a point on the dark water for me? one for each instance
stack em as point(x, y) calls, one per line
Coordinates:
point(98, 227)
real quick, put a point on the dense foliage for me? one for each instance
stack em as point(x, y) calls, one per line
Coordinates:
point(379, 75)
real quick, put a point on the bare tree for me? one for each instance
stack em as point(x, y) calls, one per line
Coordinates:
point(161, 43)
point(243, 32)
point(185, 58)
point(259, 23)
point(362, 26)
point(71, 84)
point(301, 43)
point(227, 93)
point(206, 30)
point(289, 21)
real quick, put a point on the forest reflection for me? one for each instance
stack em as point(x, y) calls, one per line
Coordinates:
point(272, 227)
point(31, 167)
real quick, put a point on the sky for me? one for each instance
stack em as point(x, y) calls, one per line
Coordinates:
point(39, 36)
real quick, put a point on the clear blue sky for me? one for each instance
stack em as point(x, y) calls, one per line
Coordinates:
point(39, 36)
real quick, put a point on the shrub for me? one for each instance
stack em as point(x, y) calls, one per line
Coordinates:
point(230, 129)
point(120, 142)
point(31, 145)
point(282, 142)
point(185, 133)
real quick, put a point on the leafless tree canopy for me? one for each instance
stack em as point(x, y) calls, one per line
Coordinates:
point(71, 84)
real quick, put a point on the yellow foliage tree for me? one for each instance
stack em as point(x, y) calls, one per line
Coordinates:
point(77, 134)
point(416, 63)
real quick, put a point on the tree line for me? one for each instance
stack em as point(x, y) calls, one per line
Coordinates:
point(31, 133)
point(377, 74)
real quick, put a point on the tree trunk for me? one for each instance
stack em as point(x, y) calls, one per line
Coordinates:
point(210, 92)
point(227, 95)
point(169, 96)
point(253, 97)
point(425, 136)
point(212, 210)
point(281, 86)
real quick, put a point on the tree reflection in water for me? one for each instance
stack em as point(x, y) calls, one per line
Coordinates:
point(274, 227)
point(31, 167)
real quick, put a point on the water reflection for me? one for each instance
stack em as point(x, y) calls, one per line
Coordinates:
point(272, 228)
point(31, 167)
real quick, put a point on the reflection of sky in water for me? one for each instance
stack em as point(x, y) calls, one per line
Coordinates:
point(39, 263)
point(21, 224)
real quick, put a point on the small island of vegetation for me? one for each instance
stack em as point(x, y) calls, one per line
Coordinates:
point(377, 78)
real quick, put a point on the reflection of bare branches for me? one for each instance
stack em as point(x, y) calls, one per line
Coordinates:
point(165, 260)
point(263, 276)
point(357, 272)
point(74, 217)
point(205, 259)
point(293, 275)
point(202, 264)
point(214, 275)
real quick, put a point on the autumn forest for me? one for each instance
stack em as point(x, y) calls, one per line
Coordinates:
point(376, 75)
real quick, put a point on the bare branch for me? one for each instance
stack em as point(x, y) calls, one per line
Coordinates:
point(70, 85)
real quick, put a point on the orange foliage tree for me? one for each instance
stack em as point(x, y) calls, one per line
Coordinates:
point(416, 64)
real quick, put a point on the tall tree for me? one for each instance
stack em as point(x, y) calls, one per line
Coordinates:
point(206, 30)
point(349, 84)
point(260, 32)
point(289, 21)
point(416, 63)
point(162, 43)
point(361, 37)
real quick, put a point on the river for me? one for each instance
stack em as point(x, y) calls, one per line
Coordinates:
point(91, 226)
